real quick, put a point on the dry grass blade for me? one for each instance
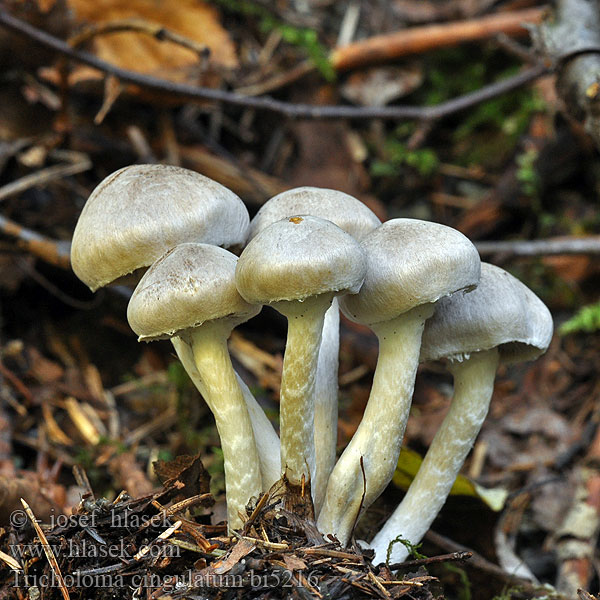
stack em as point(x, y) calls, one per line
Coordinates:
point(163, 536)
point(47, 551)
point(10, 561)
point(82, 421)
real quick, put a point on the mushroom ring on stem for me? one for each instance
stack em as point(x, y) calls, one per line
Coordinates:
point(501, 319)
point(138, 213)
point(297, 265)
point(356, 219)
point(410, 265)
point(190, 293)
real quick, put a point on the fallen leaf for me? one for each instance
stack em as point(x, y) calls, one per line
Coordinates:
point(293, 563)
point(408, 466)
point(241, 549)
point(184, 472)
point(192, 19)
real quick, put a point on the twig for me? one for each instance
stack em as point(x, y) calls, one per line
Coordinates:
point(442, 558)
point(477, 560)
point(55, 252)
point(139, 26)
point(45, 176)
point(47, 551)
point(53, 289)
point(549, 247)
point(298, 111)
point(421, 39)
point(571, 39)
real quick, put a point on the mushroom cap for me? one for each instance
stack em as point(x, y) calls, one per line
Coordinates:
point(344, 210)
point(189, 285)
point(139, 212)
point(500, 312)
point(409, 263)
point(299, 257)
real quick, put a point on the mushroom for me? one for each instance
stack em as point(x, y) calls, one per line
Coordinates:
point(297, 265)
point(190, 293)
point(137, 214)
point(410, 265)
point(356, 219)
point(501, 320)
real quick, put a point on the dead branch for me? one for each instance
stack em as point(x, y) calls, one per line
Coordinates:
point(78, 163)
point(297, 111)
point(412, 41)
point(416, 40)
point(571, 39)
point(55, 252)
point(550, 247)
point(154, 30)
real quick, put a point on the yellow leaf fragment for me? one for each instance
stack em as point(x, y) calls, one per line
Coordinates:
point(409, 463)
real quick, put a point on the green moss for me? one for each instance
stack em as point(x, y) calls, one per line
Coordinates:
point(424, 160)
point(413, 549)
point(301, 37)
point(587, 319)
point(527, 174)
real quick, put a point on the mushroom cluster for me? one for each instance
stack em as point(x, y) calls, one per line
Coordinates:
point(309, 252)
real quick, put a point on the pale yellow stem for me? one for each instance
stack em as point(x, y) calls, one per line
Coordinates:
point(326, 403)
point(225, 398)
point(297, 406)
point(267, 441)
point(473, 388)
point(378, 439)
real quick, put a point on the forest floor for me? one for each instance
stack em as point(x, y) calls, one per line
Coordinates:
point(235, 89)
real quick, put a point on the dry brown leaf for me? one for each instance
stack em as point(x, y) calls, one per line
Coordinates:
point(45, 371)
point(129, 476)
point(46, 5)
point(45, 498)
point(139, 52)
point(186, 473)
point(570, 268)
point(241, 549)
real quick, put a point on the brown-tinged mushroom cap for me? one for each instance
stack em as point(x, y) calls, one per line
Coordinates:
point(501, 312)
point(299, 257)
point(344, 210)
point(409, 263)
point(191, 284)
point(139, 212)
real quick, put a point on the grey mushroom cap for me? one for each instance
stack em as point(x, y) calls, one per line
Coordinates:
point(188, 286)
point(501, 312)
point(347, 212)
point(299, 257)
point(139, 212)
point(410, 263)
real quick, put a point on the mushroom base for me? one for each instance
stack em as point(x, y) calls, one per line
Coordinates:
point(473, 388)
point(368, 462)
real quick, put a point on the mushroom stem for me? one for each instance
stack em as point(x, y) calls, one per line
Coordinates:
point(473, 387)
point(378, 439)
point(242, 473)
point(326, 403)
point(297, 407)
point(266, 439)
